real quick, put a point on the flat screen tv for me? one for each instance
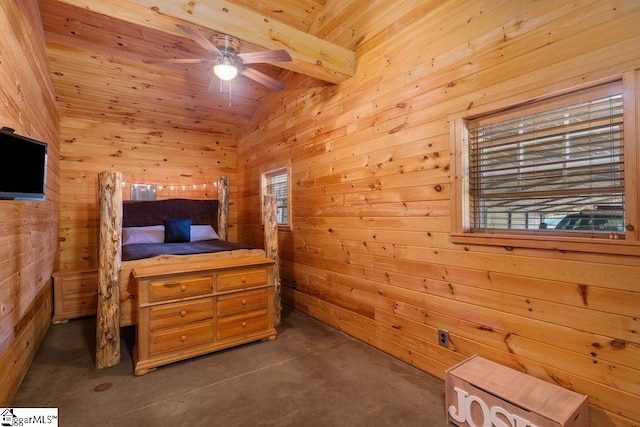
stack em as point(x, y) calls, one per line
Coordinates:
point(23, 167)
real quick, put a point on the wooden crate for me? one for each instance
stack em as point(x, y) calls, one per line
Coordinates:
point(480, 392)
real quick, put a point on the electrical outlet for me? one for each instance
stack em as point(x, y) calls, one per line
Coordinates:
point(443, 338)
point(295, 284)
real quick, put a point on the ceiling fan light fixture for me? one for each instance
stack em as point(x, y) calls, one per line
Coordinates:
point(223, 52)
point(225, 70)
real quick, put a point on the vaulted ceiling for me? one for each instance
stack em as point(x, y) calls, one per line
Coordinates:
point(97, 50)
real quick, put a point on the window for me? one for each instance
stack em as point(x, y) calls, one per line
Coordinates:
point(549, 170)
point(543, 162)
point(277, 182)
point(143, 192)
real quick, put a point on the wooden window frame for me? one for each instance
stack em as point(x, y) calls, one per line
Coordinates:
point(285, 170)
point(461, 231)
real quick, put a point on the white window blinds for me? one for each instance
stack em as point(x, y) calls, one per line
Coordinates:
point(277, 183)
point(554, 159)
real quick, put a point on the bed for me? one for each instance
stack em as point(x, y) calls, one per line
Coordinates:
point(144, 229)
point(187, 296)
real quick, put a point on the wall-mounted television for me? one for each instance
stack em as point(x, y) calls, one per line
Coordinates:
point(23, 167)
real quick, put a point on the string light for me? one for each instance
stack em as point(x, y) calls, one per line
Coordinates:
point(173, 187)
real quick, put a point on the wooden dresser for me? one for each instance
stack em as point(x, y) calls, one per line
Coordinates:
point(193, 309)
point(75, 294)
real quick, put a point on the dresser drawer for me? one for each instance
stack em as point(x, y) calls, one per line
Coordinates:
point(182, 287)
point(180, 313)
point(80, 302)
point(242, 324)
point(184, 311)
point(180, 338)
point(88, 282)
point(239, 279)
point(75, 293)
point(242, 301)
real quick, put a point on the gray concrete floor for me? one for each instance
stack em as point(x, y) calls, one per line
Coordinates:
point(311, 375)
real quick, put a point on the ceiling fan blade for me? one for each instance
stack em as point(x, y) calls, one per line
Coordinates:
point(199, 38)
point(262, 78)
point(278, 55)
point(177, 61)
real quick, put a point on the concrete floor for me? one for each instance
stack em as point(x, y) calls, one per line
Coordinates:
point(311, 375)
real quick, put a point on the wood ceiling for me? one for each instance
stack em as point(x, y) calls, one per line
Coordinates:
point(96, 50)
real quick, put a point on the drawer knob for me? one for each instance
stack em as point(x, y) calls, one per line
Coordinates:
point(244, 324)
point(83, 284)
point(183, 288)
point(243, 280)
point(183, 338)
point(243, 302)
point(183, 313)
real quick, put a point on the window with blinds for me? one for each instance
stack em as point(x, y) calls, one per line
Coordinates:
point(277, 182)
point(553, 165)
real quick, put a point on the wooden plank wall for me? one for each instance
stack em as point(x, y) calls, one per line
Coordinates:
point(28, 230)
point(186, 164)
point(117, 114)
point(370, 249)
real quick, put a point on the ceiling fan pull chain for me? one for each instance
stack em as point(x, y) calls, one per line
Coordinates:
point(229, 93)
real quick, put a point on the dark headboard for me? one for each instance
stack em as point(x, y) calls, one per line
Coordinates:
point(138, 213)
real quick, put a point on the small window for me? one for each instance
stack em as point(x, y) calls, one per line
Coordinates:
point(143, 192)
point(277, 182)
point(549, 170)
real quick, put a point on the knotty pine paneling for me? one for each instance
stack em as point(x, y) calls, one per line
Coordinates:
point(296, 13)
point(28, 229)
point(369, 245)
point(187, 164)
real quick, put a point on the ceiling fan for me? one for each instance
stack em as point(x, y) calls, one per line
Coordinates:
point(227, 61)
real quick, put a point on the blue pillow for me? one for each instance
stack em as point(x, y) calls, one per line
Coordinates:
point(177, 230)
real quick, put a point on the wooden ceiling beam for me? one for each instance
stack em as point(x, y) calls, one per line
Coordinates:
point(311, 56)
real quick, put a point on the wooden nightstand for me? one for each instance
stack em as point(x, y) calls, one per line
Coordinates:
point(75, 293)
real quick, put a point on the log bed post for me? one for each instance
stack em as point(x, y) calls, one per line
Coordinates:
point(109, 256)
point(271, 249)
point(223, 207)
